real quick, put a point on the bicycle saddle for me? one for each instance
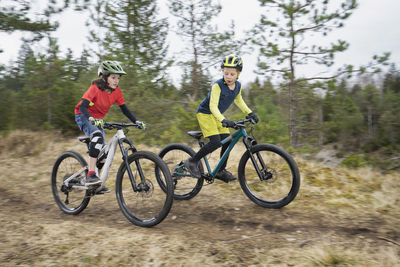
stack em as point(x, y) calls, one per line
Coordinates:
point(195, 134)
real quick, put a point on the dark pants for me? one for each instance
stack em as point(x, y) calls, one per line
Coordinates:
point(215, 141)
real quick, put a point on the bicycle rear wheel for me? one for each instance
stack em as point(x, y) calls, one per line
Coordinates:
point(185, 185)
point(71, 197)
point(279, 180)
point(150, 204)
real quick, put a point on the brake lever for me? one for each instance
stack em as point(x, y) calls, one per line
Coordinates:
point(238, 126)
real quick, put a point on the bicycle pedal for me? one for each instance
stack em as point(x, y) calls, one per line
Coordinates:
point(103, 191)
point(93, 185)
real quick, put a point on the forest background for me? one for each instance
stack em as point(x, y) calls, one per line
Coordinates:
point(354, 109)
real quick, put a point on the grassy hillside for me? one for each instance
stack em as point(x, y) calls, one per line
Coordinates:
point(341, 217)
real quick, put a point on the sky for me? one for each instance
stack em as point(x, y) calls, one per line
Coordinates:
point(372, 29)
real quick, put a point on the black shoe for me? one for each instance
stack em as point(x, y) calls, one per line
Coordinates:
point(192, 167)
point(225, 176)
point(92, 180)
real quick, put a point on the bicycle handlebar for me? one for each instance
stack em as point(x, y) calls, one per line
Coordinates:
point(241, 123)
point(119, 125)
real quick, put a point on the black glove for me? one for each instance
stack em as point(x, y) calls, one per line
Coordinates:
point(252, 116)
point(228, 123)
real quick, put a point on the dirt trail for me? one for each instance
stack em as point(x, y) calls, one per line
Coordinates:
point(219, 227)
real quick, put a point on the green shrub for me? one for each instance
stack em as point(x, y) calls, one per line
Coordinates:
point(354, 161)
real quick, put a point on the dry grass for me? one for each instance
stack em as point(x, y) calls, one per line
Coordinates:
point(341, 217)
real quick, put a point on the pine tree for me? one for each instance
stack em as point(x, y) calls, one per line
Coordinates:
point(14, 16)
point(48, 94)
point(98, 28)
point(272, 125)
point(343, 121)
point(206, 45)
point(132, 33)
point(389, 122)
point(17, 15)
point(136, 37)
point(392, 80)
point(370, 107)
point(12, 80)
point(283, 51)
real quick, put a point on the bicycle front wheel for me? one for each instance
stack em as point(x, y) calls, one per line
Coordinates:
point(67, 182)
point(147, 204)
point(185, 185)
point(277, 181)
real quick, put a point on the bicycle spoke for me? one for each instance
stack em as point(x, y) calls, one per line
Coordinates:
point(273, 181)
point(149, 204)
point(185, 185)
point(69, 170)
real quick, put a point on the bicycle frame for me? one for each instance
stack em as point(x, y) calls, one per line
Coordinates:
point(110, 148)
point(235, 137)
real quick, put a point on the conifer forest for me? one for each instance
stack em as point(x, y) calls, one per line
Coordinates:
point(355, 109)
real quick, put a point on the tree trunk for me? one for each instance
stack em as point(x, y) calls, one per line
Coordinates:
point(292, 116)
point(292, 88)
point(370, 123)
point(48, 108)
point(195, 77)
point(321, 125)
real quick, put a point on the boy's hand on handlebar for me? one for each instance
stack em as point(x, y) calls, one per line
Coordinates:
point(252, 117)
point(97, 122)
point(141, 124)
point(228, 123)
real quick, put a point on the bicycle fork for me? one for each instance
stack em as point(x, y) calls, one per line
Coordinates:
point(249, 142)
point(142, 185)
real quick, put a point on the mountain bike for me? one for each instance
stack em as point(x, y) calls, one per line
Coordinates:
point(139, 195)
point(268, 175)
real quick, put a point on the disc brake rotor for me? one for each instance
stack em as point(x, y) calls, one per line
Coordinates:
point(270, 175)
point(147, 189)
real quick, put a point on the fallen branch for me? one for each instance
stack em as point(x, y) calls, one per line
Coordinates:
point(391, 169)
point(389, 240)
point(305, 242)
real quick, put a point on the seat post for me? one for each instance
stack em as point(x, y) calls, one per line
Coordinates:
point(201, 143)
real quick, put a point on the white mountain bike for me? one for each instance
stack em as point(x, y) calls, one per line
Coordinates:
point(139, 195)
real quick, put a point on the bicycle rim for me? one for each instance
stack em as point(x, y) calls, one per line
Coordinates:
point(280, 178)
point(70, 198)
point(150, 205)
point(185, 186)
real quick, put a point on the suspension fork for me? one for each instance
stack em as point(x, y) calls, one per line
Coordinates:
point(249, 142)
point(126, 161)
